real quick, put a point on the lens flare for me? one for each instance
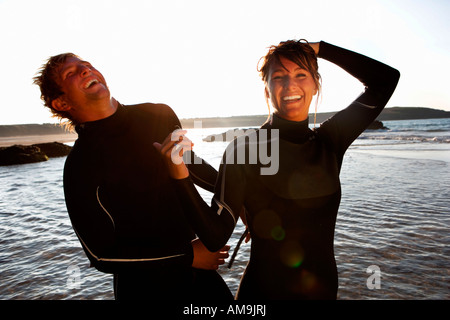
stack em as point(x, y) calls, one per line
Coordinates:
point(291, 254)
point(278, 233)
point(267, 225)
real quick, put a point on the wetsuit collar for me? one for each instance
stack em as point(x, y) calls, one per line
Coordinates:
point(116, 121)
point(292, 131)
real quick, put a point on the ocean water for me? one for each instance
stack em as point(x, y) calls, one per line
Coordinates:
point(392, 238)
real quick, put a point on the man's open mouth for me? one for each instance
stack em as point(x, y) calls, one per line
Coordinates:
point(90, 83)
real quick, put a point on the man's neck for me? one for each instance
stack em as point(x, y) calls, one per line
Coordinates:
point(103, 109)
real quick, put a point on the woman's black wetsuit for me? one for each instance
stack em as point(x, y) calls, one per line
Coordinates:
point(125, 211)
point(291, 215)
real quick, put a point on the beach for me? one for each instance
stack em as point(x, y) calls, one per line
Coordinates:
point(392, 235)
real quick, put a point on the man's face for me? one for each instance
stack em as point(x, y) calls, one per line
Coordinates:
point(82, 84)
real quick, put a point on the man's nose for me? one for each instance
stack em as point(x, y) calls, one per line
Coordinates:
point(85, 71)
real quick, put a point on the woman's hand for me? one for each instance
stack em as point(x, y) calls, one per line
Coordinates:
point(205, 259)
point(172, 150)
point(315, 46)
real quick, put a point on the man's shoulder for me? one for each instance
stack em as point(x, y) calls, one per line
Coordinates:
point(157, 108)
point(158, 113)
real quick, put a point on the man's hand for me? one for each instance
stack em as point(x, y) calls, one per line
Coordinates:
point(172, 150)
point(205, 259)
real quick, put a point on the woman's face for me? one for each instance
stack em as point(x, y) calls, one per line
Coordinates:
point(290, 89)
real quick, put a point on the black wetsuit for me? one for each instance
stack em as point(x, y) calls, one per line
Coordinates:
point(124, 208)
point(291, 215)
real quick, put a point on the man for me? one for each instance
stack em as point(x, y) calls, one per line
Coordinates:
point(120, 198)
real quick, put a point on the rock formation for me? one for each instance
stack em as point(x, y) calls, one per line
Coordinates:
point(19, 154)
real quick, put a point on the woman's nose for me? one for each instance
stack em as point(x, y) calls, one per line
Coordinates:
point(288, 82)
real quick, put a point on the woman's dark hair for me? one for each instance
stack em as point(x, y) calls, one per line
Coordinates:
point(297, 51)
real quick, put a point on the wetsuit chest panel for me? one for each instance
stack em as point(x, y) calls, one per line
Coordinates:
point(306, 170)
point(131, 183)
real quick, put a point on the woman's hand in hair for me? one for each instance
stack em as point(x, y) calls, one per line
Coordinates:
point(315, 46)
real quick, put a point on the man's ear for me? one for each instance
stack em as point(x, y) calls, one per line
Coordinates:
point(60, 105)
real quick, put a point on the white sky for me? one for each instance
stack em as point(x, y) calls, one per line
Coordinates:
point(200, 57)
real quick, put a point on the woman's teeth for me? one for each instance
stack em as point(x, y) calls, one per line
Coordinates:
point(291, 98)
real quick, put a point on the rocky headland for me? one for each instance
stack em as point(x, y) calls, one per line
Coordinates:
point(20, 154)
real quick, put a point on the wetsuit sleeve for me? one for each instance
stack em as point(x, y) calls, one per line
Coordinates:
point(202, 173)
point(379, 80)
point(214, 224)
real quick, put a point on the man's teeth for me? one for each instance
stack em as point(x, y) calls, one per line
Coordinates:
point(290, 98)
point(93, 81)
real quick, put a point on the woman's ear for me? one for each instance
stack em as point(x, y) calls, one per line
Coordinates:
point(60, 105)
point(267, 96)
point(266, 93)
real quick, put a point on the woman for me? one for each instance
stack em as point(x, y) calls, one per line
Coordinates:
point(291, 214)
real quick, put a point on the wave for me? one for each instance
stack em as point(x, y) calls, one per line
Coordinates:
point(407, 138)
point(410, 130)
